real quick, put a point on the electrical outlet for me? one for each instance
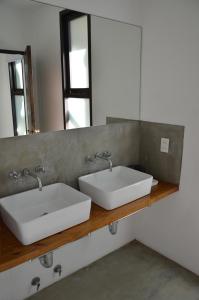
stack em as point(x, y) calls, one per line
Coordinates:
point(164, 146)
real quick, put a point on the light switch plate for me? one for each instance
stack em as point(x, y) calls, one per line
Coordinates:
point(164, 146)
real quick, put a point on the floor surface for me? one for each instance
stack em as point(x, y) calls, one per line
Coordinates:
point(133, 272)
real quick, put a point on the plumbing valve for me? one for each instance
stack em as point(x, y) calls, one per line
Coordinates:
point(58, 269)
point(36, 282)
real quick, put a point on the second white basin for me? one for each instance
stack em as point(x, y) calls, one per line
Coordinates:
point(34, 215)
point(113, 189)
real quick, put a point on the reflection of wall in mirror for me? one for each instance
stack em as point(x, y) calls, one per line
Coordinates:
point(11, 37)
point(37, 25)
point(45, 40)
point(115, 49)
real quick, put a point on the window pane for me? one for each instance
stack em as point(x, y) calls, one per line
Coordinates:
point(20, 115)
point(77, 112)
point(18, 74)
point(78, 55)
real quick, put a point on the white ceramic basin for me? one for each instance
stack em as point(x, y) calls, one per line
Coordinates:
point(113, 189)
point(34, 215)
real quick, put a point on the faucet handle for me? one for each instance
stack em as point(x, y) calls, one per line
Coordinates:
point(14, 175)
point(58, 269)
point(36, 283)
point(25, 172)
point(40, 169)
point(98, 155)
point(104, 154)
point(107, 154)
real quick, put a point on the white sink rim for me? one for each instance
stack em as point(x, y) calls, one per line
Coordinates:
point(127, 191)
point(4, 201)
point(38, 227)
point(107, 171)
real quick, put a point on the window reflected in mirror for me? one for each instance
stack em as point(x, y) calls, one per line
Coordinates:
point(15, 88)
point(78, 53)
point(76, 69)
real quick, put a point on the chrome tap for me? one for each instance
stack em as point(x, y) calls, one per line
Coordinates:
point(27, 172)
point(16, 175)
point(106, 155)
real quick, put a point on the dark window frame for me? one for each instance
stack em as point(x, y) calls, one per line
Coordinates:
point(12, 51)
point(65, 17)
point(13, 90)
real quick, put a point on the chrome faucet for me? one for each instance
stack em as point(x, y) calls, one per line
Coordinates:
point(106, 155)
point(27, 172)
point(14, 175)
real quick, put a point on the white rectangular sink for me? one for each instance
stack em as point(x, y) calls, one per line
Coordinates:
point(34, 215)
point(113, 189)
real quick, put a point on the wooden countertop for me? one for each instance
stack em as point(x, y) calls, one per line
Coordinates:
point(13, 253)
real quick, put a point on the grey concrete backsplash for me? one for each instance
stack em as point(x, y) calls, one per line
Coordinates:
point(63, 154)
point(163, 166)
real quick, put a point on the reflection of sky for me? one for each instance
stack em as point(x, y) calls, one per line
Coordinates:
point(79, 68)
point(20, 108)
point(20, 112)
point(19, 76)
point(78, 110)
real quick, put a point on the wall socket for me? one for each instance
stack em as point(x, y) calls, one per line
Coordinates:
point(164, 145)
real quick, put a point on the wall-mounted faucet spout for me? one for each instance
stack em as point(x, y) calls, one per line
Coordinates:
point(105, 156)
point(16, 175)
point(27, 172)
point(110, 164)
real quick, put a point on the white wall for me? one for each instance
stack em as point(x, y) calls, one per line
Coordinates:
point(33, 24)
point(170, 93)
point(12, 37)
point(123, 10)
point(6, 122)
point(14, 31)
point(42, 32)
point(115, 54)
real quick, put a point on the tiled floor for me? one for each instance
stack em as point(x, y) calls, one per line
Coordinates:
point(133, 272)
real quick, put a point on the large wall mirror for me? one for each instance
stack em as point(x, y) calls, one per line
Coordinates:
point(61, 69)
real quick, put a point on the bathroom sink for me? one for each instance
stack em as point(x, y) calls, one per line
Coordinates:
point(34, 215)
point(113, 189)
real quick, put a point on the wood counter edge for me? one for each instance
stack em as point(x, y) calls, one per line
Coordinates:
point(13, 253)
